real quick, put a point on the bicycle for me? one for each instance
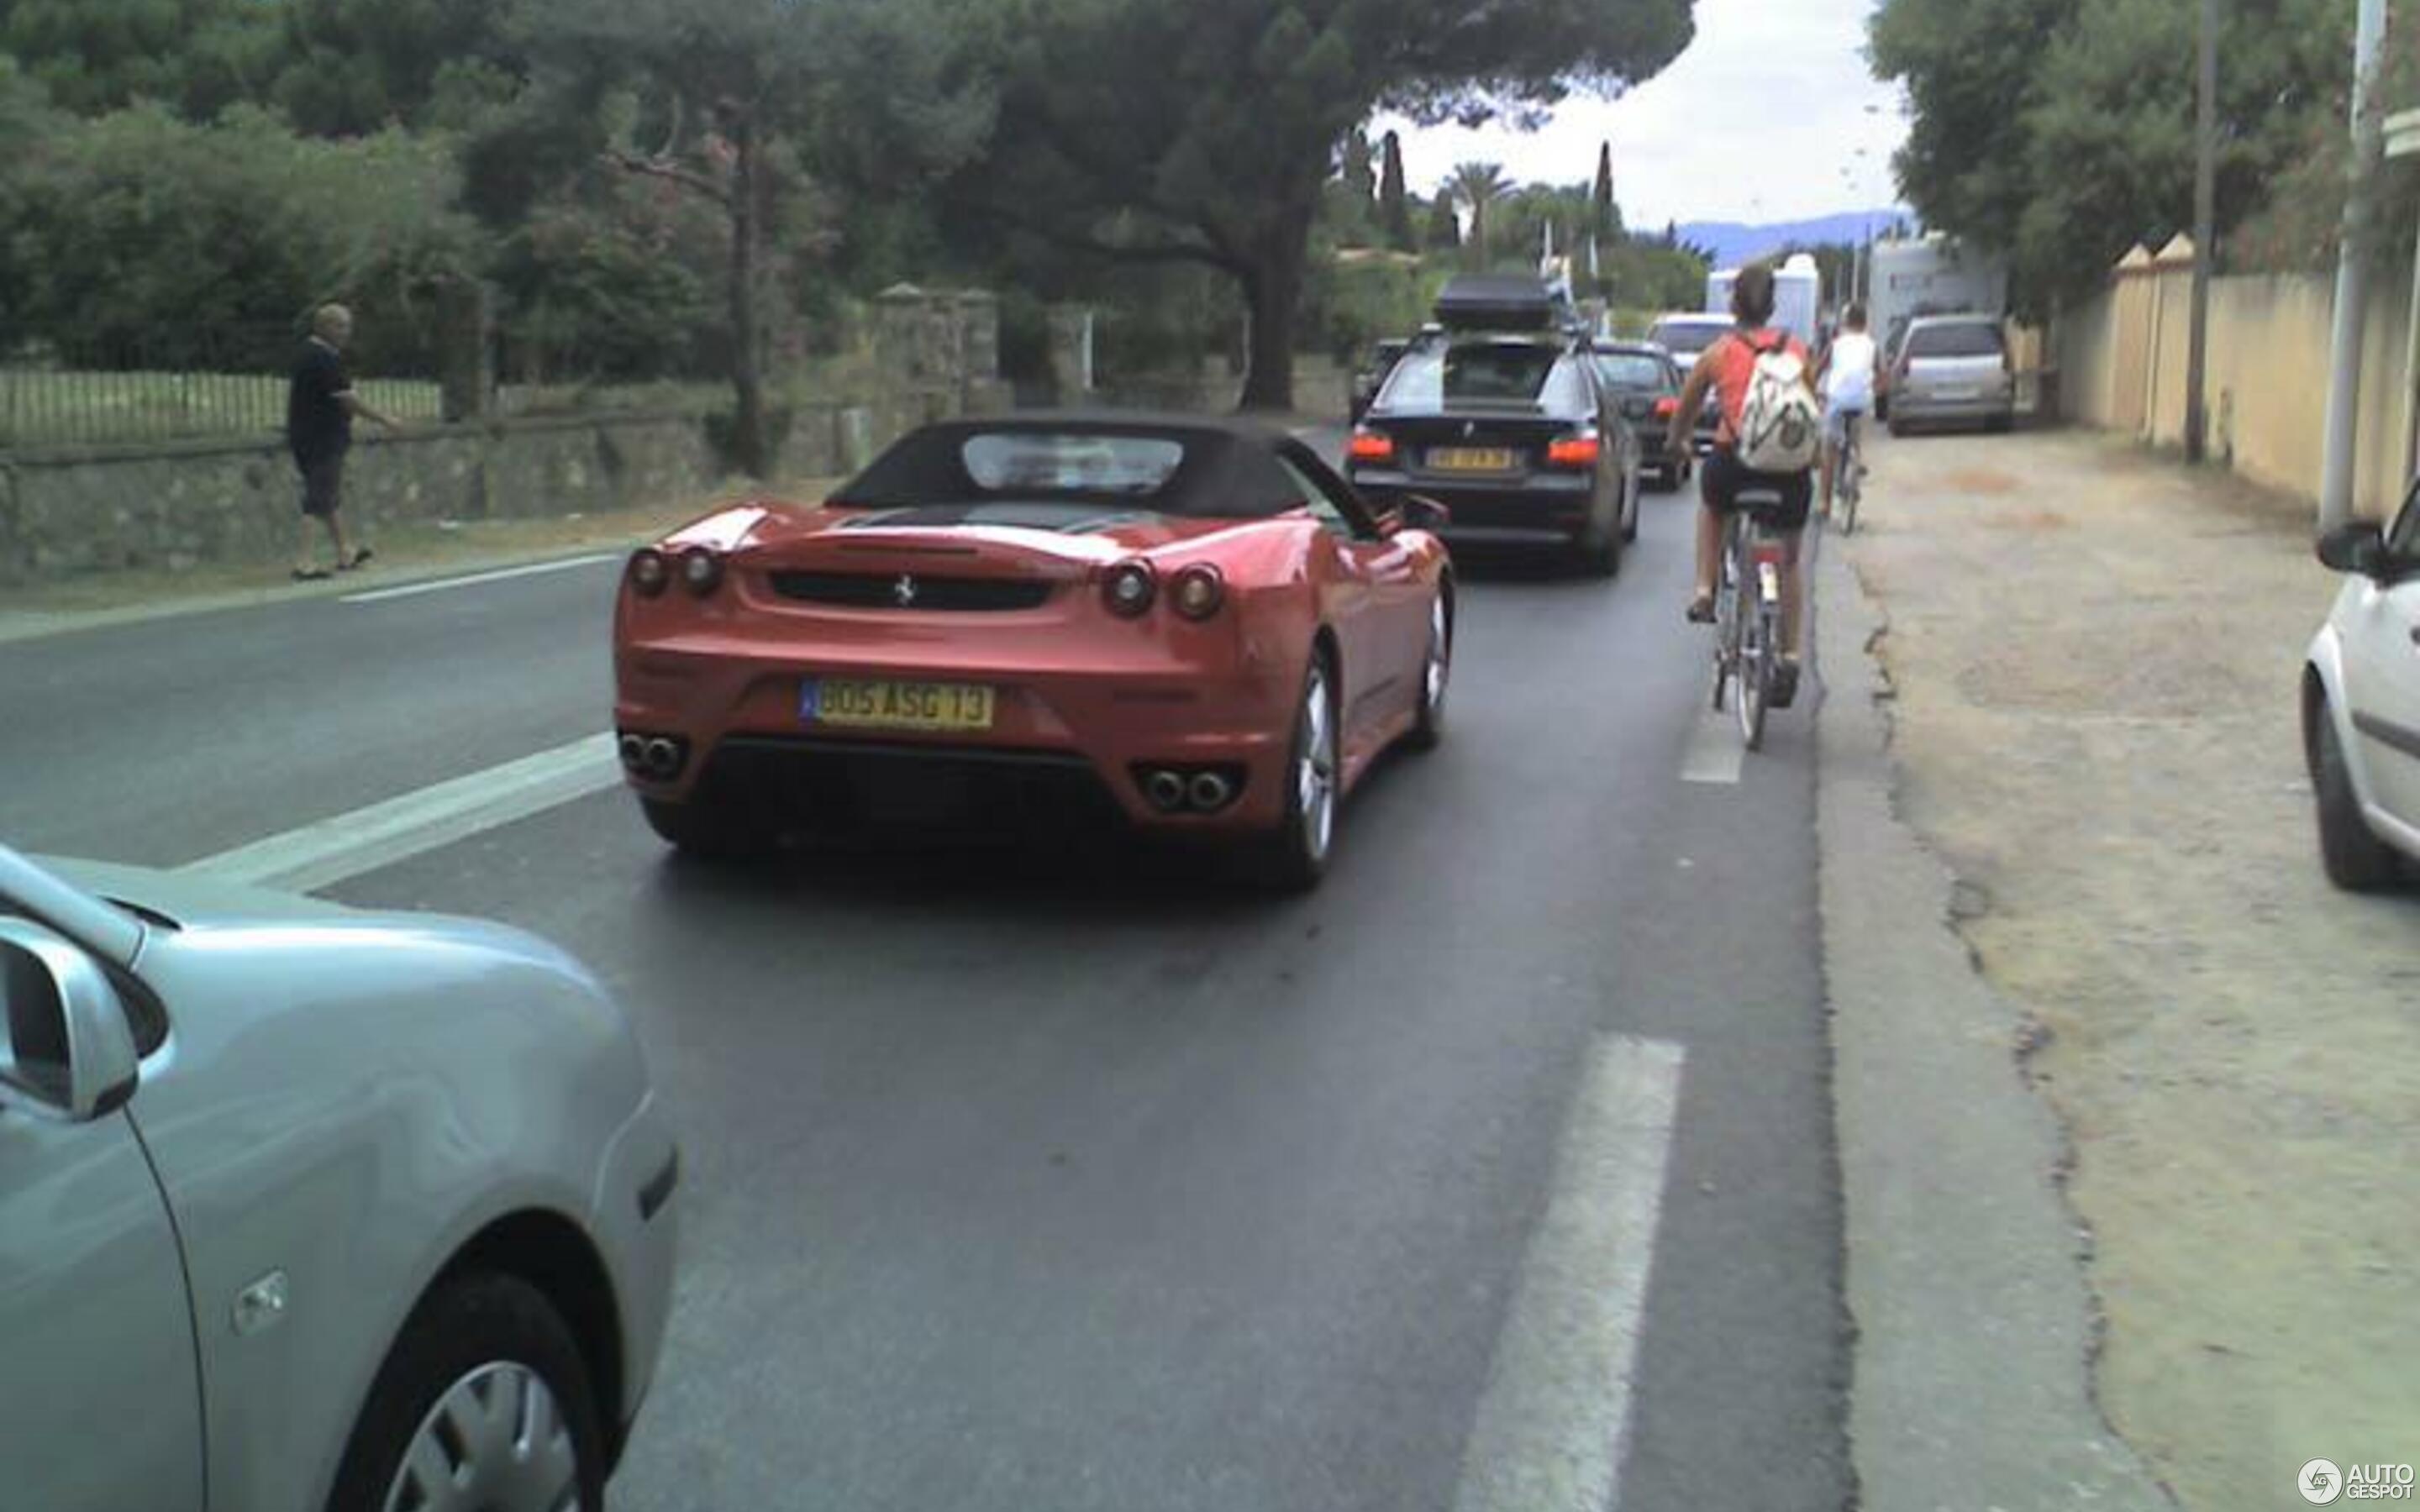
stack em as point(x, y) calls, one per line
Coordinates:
point(1848, 472)
point(1748, 623)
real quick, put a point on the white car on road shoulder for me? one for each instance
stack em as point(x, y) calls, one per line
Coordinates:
point(2361, 704)
point(307, 1208)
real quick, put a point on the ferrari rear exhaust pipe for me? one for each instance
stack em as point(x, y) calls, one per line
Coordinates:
point(633, 749)
point(1209, 791)
point(663, 757)
point(1164, 789)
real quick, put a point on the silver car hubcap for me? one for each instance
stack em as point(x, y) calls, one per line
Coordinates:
point(495, 1441)
point(1315, 771)
point(1441, 666)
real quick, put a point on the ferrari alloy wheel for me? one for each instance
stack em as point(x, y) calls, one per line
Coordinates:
point(1437, 672)
point(1300, 849)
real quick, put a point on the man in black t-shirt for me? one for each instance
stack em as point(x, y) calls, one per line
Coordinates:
point(321, 405)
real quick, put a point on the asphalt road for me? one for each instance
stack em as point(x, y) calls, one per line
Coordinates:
point(1020, 1181)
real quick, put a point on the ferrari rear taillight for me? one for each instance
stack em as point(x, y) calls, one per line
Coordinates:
point(1129, 589)
point(701, 571)
point(1574, 451)
point(649, 573)
point(1197, 592)
point(1371, 446)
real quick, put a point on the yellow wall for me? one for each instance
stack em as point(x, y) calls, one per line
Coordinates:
point(2121, 359)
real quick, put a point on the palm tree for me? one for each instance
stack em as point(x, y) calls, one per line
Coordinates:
point(1478, 185)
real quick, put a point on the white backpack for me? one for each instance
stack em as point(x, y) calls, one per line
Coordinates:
point(1781, 427)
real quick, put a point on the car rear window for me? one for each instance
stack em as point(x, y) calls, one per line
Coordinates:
point(1960, 340)
point(1499, 372)
point(1047, 462)
point(1632, 370)
point(1687, 336)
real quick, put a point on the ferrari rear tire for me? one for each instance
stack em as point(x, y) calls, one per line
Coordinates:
point(1436, 673)
point(1295, 856)
point(704, 830)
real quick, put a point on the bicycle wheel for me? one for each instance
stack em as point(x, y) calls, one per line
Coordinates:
point(1756, 676)
point(1847, 486)
point(1727, 602)
point(1754, 665)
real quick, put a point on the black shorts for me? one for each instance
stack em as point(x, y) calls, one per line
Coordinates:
point(323, 483)
point(1722, 478)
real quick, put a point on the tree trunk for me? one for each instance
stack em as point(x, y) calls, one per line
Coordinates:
point(749, 447)
point(1273, 289)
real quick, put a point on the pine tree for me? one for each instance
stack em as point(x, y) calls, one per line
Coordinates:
point(1445, 232)
point(1360, 175)
point(1394, 202)
point(1605, 217)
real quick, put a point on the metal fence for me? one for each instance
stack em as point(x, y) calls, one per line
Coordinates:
point(107, 393)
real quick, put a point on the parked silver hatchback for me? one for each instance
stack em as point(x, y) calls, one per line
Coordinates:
point(306, 1209)
point(1952, 369)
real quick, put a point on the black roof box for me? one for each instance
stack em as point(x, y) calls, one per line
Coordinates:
point(1497, 302)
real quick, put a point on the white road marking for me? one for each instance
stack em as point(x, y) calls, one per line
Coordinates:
point(1553, 1423)
point(323, 854)
point(409, 590)
point(1714, 753)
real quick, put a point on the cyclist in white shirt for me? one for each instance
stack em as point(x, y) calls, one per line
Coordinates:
point(1846, 376)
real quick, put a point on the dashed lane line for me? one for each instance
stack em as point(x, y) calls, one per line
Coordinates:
point(1554, 1423)
point(1713, 754)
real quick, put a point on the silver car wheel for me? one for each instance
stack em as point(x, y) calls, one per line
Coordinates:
point(495, 1441)
point(1316, 769)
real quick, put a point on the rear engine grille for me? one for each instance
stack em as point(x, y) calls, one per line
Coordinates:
point(911, 591)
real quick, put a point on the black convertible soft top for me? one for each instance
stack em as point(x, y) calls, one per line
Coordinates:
point(1224, 468)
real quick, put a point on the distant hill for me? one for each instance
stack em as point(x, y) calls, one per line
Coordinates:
point(1733, 243)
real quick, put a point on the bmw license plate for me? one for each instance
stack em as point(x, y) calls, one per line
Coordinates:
point(1472, 459)
point(883, 704)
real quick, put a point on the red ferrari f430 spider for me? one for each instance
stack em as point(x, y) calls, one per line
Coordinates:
point(1193, 624)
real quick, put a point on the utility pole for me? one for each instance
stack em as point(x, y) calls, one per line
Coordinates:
point(2205, 240)
point(2352, 276)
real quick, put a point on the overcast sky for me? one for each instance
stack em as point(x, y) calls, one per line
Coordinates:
point(1762, 119)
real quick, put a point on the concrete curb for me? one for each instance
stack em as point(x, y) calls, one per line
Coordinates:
point(1975, 1325)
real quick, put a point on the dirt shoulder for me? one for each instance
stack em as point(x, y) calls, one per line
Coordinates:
point(405, 553)
point(2096, 656)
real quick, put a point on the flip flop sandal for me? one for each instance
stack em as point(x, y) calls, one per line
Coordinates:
point(358, 557)
point(309, 574)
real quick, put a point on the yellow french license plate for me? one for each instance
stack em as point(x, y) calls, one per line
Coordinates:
point(1472, 459)
point(889, 706)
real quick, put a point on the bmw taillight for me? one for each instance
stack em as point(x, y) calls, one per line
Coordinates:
point(1197, 592)
point(1574, 451)
point(649, 573)
point(1129, 589)
point(1371, 446)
